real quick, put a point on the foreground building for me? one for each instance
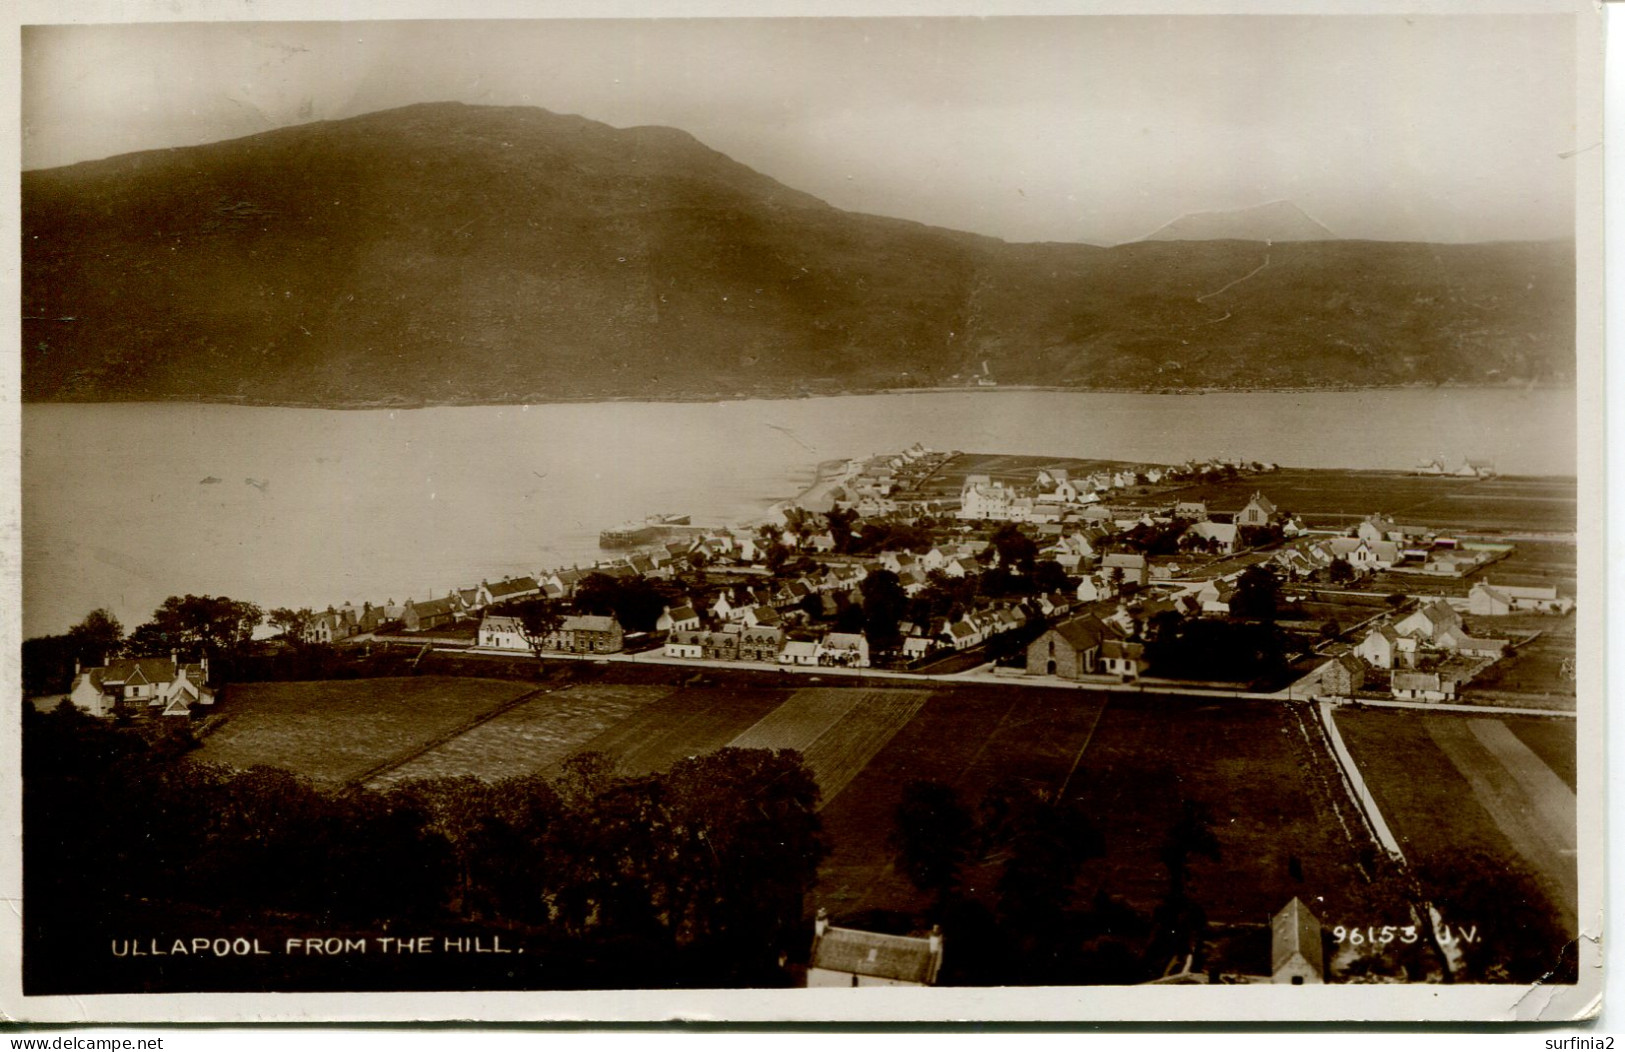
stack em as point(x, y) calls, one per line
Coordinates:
point(1070, 649)
point(849, 957)
point(142, 686)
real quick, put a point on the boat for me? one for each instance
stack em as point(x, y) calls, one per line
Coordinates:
point(649, 531)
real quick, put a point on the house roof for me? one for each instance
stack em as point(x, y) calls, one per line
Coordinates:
point(845, 641)
point(683, 613)
point(590, 623)
point(140, 670)
point(1295, 930)
point(1122, 649)
point(1127, 560)
point(435, 607)
point(1083, 633)
point(801, 647)
point(902, 958)
point(502, 623)
point(687, 638)
point(511, 587)
point(1416, 681)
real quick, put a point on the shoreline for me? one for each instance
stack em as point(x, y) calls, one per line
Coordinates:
point(353, 405)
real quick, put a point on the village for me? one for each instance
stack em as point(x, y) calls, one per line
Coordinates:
point(907, 564)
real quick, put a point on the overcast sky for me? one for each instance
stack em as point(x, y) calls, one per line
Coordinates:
point(1088, 128)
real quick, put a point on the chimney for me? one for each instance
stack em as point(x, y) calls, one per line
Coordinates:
point(175, 658)
point(204, 662)
point(820, 922)
point(76, 666)
point(935, 939)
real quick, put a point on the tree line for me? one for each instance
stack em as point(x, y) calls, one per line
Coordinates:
point(691, 877)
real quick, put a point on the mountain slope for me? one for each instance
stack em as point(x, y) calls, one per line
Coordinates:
point(1273, 221)
point(448, 253)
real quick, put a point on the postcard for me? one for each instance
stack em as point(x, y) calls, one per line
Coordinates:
point(1056, 513)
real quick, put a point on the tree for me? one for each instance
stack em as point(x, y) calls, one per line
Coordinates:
point(1340, 571)
point(1257, 595)
point(213, 626)
point(97, 638)
point(884, 604)
point(1178, 920)
point(539, 621)
point(289, 622)
point(931, 835)
point(1016, 551)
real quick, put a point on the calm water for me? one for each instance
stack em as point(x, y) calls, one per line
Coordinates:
point(383, 504)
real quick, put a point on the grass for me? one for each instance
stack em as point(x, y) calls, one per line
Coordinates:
point(1130, 760)
point(1533, 673)
point(1338, 498)
point(333, 731)
point(1431, 804)
point(532, 737)
point(800, 721)
point(690, 722)
point(1023, 470)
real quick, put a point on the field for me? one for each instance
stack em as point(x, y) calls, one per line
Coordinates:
point(836, 731)
point(684, 723)
point(1531, 675)
point(335, 731)
point(1338, 498)
point(531, 737)
point(1458, 790)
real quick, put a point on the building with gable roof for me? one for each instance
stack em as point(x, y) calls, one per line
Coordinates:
point(1297, 955)
point(141, 686)
point(1258, 512)
point(850, 957)
point(1070, 649)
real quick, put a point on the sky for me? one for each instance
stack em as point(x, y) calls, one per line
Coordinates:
point(1087, 128)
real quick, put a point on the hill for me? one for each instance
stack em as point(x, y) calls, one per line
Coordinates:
point(1273, 221)
point(446, 253)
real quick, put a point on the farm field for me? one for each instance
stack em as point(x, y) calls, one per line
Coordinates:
point(1131, 760)
point(336, 730)
point(531, 737)
point(1340, 498)
point(847, 747)
point(1532, 674)
point(1458, 790)
point(968, 739)
point(690, 722)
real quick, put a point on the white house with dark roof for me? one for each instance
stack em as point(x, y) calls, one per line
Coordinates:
point(502, 632)
point(506, 590)
point(161, 686)
point(1259, 511)
point(849, 957)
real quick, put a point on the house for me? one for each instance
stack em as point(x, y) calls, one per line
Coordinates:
point(761, 643)
point(1215, 596)
point(1130, 567)
point(1297, 955)
point(962, 634)
point(1258, 512)
point(723, 645)
point(763, 616)
point(1383, 647)
point(1122, 658)
point(1423, 686)
point(591, 634)
point(1194, 510)
point(799, 652)
point(429, 615)
point(161, 686)
point(330, 626)
point(1375, 555)
point(685, 643)
point(680, 618)
point(1428, 622)
point(1219, 537)
point(1457, 640)
point(1495, 600)
point(1070, 649)
point(847, 649)
point(982, 498)
point(916, 645)
point(506, 590)
point(850, 957)
point(1342, 676)
point(1431, 467)
point(1376, 527)
point(502, 632)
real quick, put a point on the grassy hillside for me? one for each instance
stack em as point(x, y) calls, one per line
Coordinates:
point(449, 253)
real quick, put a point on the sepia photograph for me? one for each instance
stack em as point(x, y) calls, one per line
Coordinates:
point(1079, 513)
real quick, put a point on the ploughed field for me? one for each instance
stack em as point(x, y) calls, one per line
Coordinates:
point(1283, 824)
